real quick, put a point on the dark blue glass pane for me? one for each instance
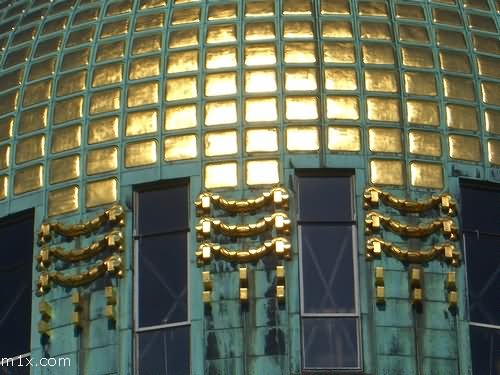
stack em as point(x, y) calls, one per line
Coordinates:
point(164, 352)
point(163, 279)
point(483, 277)
point(327, 268)
point(325, 198)
point(485, 350)
point(330, 343)
point(480, 208)
point(163, 210)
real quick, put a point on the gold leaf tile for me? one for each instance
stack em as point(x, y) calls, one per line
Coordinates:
point(105, 101)
point(143, 122)
point(142, 153)
point(101, 192)
point(342, 52)
point(422, 112)
point(183, 61)
point(381, 80)
point(494, 151)
point(301, 108)
point(31, 148)
point(140, 94)
point(64, 169)
point(221, 175)
point(101, 160)
point(32, 119)
point(221, 57)
point(387, 172)
point(464, 148)
point(341, 79)
point(62, 201)
point(181, 88)
point(180, 117)
point(102, 130)
point(342, 107)
point(71, 82)
point(260, 81)
point(344, 138)
point(107, 74)
point(28, 179)
point(37, 92)
point(180, 147)
point(458, 88)
point(426, 175)
point(461, 117)
point(419, 83)
point(66, 138)
point(262, 172)
point(261, 109)
point(385, 140)
point(220, 112)
point(424, 143)
point(221, 143)
point(261, 140)
point(383, 109)
point(302, 138)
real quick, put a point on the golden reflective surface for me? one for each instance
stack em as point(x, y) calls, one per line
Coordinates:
point(140, 153)
point(344, 138)
point(301, 108)
point(102, 130)
point(221, 175)
point(262, 172)
point(461, 117)
point(64, 169)
point(66, 138)
point(180, 147)
point(180, 117)
point(422, 112)
point(385, 140)
point(302, 138)
point(221, 143)
point(424, 143)
point(261, 140)
point(464, 148)
point(105, 101)
point(387, 172)
point(381, 80)
point(67, 110)
point(31, 148)
point(261, 110)
point(62, 201)
point(426, 175)
point(32, 120)
point(342, 107)
point(143, 122)
point(102, 160)
point(494, 151)
point(101, 192)
point(28, 179)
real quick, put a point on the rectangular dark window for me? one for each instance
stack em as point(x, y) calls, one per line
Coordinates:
point(480, 220)
point(16, 232)
point(162, 320)
point(329, 305)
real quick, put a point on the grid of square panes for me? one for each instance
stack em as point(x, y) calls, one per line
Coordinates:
point(481, 237)
point(162, 308)
point(329, 308)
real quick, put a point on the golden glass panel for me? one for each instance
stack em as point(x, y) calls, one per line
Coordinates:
point(42, 69)
point(183, 38)
point(385, 140)
point(220, 57)
point(86, 15)
point(407, 11)
point(342, 107)
point(81, 36)
point(8, 102)
point(180, 117)
point(17, 57)
point(494, 151)
point(449, 17)
point(383, 109)
point(11, 80)
point(55, 25)
point(71, 82)
point(387, 172)
point(419, 83)
point(102, 130)
point(4, 186)
point(23, 36)
point(488, 66)
point(142, 94)
point(299, 52)
point(458, 88)
point(329, 7)
point(260, 81)
point(259, 8)
point(301, 108)
point(381, 80)
point(260, 54)
point(140, 153)
point(101, 192)
point(415, 34)
point(150, 43)
point(220, 84)
point(110, 51)
point(492, 121)
point(105, 101)
point(28, 179)
point(490, 92)
point(64, 169)
point(344, 138)
point(66, 110)
point(422, 112)
point(66, 138)
point(448, 38)
point(485, 44)
point(150, 21)
point(298, 29)
point(62, 201)
point(424, 143)
point(48, 46)
point(75, 59)
point(375, 30)
point(147, 4)
point(119, 7)
point(455, 62)
point(6, 126)
point(296, 7)
point(261, 109)
point(184, 61)
point(262, 172)
point(221, 175)
point(341, 79)
point(300, 79)
point(482, 23)
point(181, 88)
point(32, 120)
point(221, 34)
point(221, 143)
point(220, 112)
point(180, 147)
point(336, 29)
point(185, 15)
point(143, 122)
point(372, 8)
point(37, 92)
point(476, 4)
point(260, 31)
point(4, 156)
point(417, 57)
point(261, 140)
point(102, 160)
point(31, 148)
point(107, 74)
point(221, 12)
point(144, 67)
point(378, 54)
point(114, 28)
point(461, 117)
point(339, 53)
point(464, 148)
point(426, 175)
point(302, 138)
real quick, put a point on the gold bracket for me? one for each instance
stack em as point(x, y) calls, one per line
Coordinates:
point(76, 317)
point(415, 277)
point(243, 271)
point(111, 302)
point(451, 287)
point(280, 284)
point(379, 286)
point(207, 287)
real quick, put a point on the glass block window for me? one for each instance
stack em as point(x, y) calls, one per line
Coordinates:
point(162, 318)
point(328, 272)
point(481, 241)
